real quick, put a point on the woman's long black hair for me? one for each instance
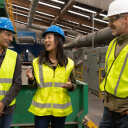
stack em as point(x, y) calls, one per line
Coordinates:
point(61, 57)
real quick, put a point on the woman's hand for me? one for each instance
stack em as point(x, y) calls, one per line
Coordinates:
point(29, 74)
point(67, 85)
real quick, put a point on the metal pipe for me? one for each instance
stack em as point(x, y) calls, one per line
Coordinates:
point(33, 8)
point(102, 36)
point(92, 30)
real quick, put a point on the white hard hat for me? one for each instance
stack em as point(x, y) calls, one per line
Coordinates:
point(117, 7)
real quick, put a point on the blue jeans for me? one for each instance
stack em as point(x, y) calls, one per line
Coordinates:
point(112, 119)
point(43, 121)
point(6, 120)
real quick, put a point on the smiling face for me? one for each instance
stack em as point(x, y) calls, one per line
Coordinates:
point(117, 26)
point(5, 39)
point(50, 43)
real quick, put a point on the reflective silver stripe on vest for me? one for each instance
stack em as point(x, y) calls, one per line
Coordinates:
point(49, 84)
point(41, 85)
point(2, 92)
point(5, 80)
point(109, 55)
point(62, 106)
point(125, 61)
point(39, 105)
point(49, 105)
point(56, 84)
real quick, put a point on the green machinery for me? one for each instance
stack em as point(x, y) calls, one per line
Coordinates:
point(3, 11)
point(79, 99)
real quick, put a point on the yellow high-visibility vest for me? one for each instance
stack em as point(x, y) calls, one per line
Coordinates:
point(116, 79)
point(50, 98)
point(6, 73)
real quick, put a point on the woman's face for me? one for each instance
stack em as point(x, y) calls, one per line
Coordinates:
point(50, 43)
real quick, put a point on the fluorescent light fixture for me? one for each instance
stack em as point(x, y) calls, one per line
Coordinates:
point(37, 19)
point(17, 21)
point(72, 22)
point(45, 14)
point(72, 36)
point(41, 20)
point(20, 14)
point(83, 9)
point(49, 5)
point(78, 14)
point(103, 15)
point(63, 26)
point(57, 1)
point(89, 27)
point(101, 20)
point(20, 7)
point(80, 31)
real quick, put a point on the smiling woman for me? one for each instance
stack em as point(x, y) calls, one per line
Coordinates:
point(53, 75)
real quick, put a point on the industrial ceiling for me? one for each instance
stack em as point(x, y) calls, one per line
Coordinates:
point(74, 16)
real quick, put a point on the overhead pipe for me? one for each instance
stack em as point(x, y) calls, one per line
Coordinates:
point(44, 28)
point(33, 8)
point(100, 37)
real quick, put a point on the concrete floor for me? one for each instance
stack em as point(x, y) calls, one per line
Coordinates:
point(95, 108)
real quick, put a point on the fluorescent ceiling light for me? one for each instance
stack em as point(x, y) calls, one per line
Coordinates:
point(103, 15)
point(20, 7)
point(89, 27)
point(17, 21)
point(45, 14)
point(57, 1)
point(63, 26)
point(101, 20)
point(72, 22)
point(49, 5)
point(78, 14)
point(20, 14)
point(40, 20)
point(71, 36)
point(83, 9)
point(37, 19)
point(80, 31)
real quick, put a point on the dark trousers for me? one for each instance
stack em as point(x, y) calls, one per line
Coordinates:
point(44, 121)
point(112, 119)
point(6, 120)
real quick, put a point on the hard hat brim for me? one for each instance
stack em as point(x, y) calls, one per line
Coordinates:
point(45, 33)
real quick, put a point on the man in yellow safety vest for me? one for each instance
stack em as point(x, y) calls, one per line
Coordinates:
point(114, 87)
point(10, 73)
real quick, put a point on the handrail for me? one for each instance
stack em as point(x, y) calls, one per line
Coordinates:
point(11, 15)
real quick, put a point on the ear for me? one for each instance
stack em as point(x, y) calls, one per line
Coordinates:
point(126, 19)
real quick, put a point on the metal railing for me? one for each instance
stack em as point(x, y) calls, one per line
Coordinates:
point(11, 15)
point(78, 72)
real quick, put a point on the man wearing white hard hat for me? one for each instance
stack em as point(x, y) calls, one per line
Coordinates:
point(114, 87)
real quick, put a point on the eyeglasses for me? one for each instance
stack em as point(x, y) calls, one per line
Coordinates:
point(8, 34)
point(114, 18)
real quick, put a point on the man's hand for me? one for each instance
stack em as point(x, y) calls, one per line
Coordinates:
point(67, 85)
point(1, 108)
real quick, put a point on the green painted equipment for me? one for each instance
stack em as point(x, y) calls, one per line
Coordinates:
point(3, 10)
point(79, 99)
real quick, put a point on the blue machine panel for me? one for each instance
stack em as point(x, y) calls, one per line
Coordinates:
point(26, 33)
point(27, 52)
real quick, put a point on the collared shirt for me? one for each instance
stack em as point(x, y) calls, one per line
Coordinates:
point(16, 85)
point(112, 102)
